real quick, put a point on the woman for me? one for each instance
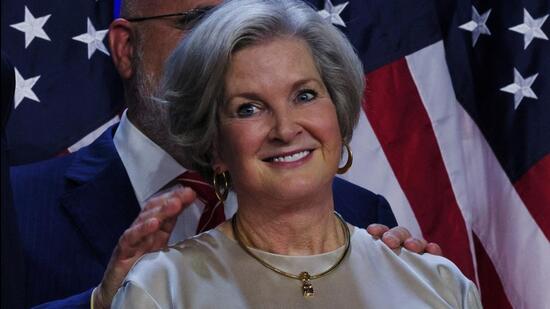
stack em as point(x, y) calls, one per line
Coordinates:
point(265, 95)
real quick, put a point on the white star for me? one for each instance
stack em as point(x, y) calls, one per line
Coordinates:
point(94, 39)
point(32, 27)
point(331, 13)
point(23, 88)
point(477, 25)
point(531, 28)
point(521, 87)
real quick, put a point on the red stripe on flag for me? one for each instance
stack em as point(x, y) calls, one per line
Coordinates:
point(534, 189)
point(492, 293)
point(401, 124)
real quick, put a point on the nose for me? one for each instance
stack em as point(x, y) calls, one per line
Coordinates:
point(285, 126)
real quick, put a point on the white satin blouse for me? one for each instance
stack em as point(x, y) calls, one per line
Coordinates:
point(212, 271)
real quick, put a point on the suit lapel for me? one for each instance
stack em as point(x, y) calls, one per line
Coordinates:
point(101, 201)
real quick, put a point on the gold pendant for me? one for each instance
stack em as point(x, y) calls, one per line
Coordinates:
point(307, 288)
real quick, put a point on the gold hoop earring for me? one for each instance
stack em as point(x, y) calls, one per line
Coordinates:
point(221, 189)
point(349, 162)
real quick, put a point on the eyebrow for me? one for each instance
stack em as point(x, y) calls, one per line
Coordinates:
point(304, 81)
point(245, 95)
point(254, 96)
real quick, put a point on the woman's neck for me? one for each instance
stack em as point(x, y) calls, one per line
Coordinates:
point(289, 229)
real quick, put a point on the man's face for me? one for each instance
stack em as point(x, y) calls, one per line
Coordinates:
point(157, 38)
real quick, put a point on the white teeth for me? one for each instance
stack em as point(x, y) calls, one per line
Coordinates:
point(294, 157)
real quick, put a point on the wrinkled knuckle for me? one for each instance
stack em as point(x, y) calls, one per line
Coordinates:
point(404, 232)
point(389, 237)
point(152, 202)
point(123, 240)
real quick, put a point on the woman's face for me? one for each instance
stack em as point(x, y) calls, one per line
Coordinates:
point(279, 133)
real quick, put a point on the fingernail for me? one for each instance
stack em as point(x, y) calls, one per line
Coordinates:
point(391, 238)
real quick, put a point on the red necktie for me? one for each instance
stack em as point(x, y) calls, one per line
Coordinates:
point(213, 213)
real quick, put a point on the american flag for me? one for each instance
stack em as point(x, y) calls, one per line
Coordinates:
point(456, 131)
point(67, 91)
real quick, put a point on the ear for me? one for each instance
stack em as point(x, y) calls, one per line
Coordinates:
point(121, 43)
point(218, 165)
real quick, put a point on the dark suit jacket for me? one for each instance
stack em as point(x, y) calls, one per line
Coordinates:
point(73, 209)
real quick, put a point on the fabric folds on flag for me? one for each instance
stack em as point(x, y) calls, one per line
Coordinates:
point(456, 131)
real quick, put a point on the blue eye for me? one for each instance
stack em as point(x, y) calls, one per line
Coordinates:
point(306, 95)
point(247, 110)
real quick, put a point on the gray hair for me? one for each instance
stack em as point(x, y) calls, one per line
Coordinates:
point(193, 84)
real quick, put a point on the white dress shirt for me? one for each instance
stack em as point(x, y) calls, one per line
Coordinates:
point(150, 169)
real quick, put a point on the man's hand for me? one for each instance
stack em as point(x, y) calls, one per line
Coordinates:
point(149, 232)
point(400, 236)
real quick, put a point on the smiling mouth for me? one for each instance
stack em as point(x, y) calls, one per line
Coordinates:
point(290, 158)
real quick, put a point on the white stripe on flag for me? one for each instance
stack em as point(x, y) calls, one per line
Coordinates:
point(92, 136)
point(490, 205)
point(372, 170)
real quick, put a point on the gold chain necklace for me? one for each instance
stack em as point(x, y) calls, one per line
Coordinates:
point(304, 277)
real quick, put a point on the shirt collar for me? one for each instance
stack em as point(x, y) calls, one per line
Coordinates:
point(149, 167)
